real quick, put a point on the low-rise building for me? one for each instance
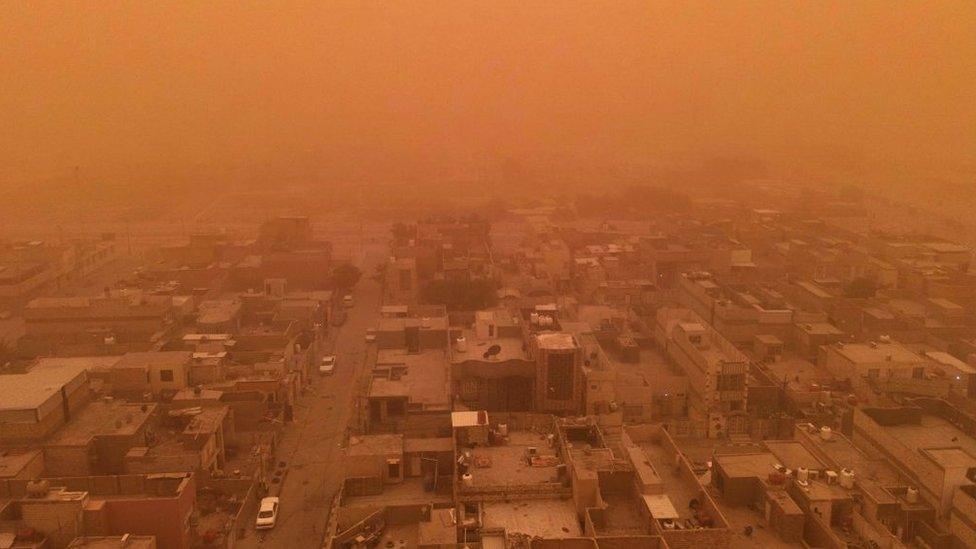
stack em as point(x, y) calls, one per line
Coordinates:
point(39, 402)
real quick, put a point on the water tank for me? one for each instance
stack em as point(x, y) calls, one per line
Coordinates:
point(911, 495)
point(37, 488)
point(831, 477)
point(826, 433)
point(803, 474)
point(462, 345)
point(847, 478)
point(467, 480)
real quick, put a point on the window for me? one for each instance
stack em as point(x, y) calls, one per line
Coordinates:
point(560, 376)
point(731, 382)
point(166, 375)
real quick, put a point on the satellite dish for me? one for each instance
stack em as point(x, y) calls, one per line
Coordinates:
point(492, 351)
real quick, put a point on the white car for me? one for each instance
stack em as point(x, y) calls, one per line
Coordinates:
point(267, 514)
point(347, 301)
point(370, 335)
point(327, 365)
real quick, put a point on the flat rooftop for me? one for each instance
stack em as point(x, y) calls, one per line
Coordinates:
point(793, 455)
point(154, 358)
point(865, 353)
point(508, 464)
point(759, 464)
point(638, 382)
point(799, 374)
point(511, 348)
point(424, 380)
point(84, 362)
point(678, 490)
point(549, 518)
point(113, 542)
point(819, 328)
point(842, 453)
point(13, 462)
point(373, 445)
point(398, 324)
point(556, 341)
point(411, 491)
point(103, 418)
point(940, 440)
point(32, 390)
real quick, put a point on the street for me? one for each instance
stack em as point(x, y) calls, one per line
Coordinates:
point(312, 446)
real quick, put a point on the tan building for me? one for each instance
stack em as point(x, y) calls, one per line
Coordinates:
point(37, 403)
point(97, 439)
point(717, 371)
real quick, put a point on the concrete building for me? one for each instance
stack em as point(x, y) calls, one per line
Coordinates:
point(39, 402)
point(82, 325)
point(157, 372)
point(497, 381)
point(716, 369)
point(559, 372)
point(97, 439)
point(63, 509)
point(883, 361)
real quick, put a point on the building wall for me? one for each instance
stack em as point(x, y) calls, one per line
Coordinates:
point(962, 518)
point(868, 434)
point(166, 518)
point(60, 521)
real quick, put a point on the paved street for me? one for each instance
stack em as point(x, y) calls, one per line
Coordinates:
point(311, 447)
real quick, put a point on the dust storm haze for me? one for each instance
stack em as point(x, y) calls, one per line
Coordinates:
point(136, 96)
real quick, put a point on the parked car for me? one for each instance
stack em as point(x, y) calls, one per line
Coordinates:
point(327, 365)
point(370, 335)
point(347, 301)
point(267, 514)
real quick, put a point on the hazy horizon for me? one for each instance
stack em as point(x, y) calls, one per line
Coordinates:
point(345, 90)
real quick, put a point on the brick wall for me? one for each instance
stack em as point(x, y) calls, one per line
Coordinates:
point(60, 521)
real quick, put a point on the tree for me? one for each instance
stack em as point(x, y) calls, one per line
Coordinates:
point(460, 295)
point(861, 287)
point(345, 276)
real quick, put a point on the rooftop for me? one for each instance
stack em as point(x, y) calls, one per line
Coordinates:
point(510, 348)
point(154, 358)
point(217, 311)
point(373, 445)
point(114, 542)
point(866, 353)
point(819, 328)
point(556, 341)
point(550, 518)
point(13, 462)
point(31, 390)
point(748, 465)
point(935, 437)
point(103, 418)
point(793, 455)
point(422, 377)
point(509, 464)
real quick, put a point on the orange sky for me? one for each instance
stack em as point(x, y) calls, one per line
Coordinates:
point(804, 86)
